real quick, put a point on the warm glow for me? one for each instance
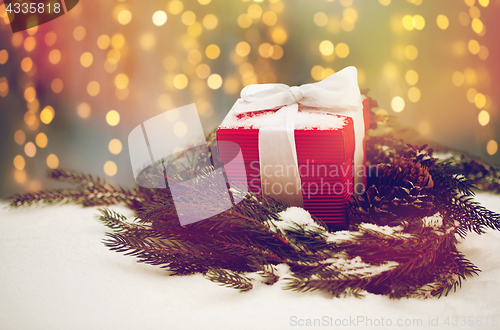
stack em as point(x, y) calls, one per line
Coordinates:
point(19, 162)
point(41, 140)
point(385, 2)
point(458, 78)
point(266, 50)
point(492, 147)
point(159, 18)
point(180, 81)
point(29, 94)
point(86, 59)
point(214, 81)
point(19, 137)
point(414, 94)
point(317, 72)
point(212, 51)
point(320, 19)
point(244, 21)
point(83, 110)
point(121, 81)
point(110, 168)
point(342, 50)
point(118, 41)
point(202, 71)
point(52, 161)
point(471, 95)
point(175, 7)
point(188, 18)
point(30, 149)
point(254, 11)
point(277, 52)
point(480, 100)
point(210, 22)
point(477, 25)
point(424, 127)
point(57, 85)
point(113, 118)
point(26, 64)
point(115, 146)
point(397, 104)
point(103, 41)
point(269, 18)
point(79, 33)
point(47, 115)
point(411, 77)
point(4, 56)
point(442, 22)
point(326, 47)
point(418, 22)
point(279, 36)
point(147, 41)
point(54, 56)
point(483, 118)
point(474, 46)
point(411, 52)
point(124, 17)
point(243, 49)
point(93, 88)
point(50, 38)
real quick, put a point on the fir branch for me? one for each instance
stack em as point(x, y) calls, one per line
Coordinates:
point(229, 279)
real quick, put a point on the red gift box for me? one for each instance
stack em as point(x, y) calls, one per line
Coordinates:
point(325, 164)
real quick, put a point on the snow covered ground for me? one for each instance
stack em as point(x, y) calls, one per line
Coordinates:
point(56, 274)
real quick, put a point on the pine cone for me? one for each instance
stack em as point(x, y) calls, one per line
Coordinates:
point(400, 189)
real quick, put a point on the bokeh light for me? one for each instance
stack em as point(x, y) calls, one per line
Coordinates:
point(113, 118)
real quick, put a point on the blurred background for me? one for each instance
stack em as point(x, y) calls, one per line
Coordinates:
point(72, 89)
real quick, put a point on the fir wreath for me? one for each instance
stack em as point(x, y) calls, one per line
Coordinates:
point(401, 241)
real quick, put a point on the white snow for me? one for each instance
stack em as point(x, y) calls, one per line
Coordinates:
point(435, 221)
point(305, 119)
point(56, 274)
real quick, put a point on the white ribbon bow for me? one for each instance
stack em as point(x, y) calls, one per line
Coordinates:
point(338, 94)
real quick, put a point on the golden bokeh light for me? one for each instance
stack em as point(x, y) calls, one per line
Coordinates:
point(180, 129)
point(483, 52)
point(110, 168)
point(231, 85)
point(30, 118)
point(17, 40)
point(484, 3)
point(210, 21)
point(188, 18)
point(113, 118)
point(471, 95)
point(30, 94)
point(47, 115)
point(243, 48)
point(164, 101)
point(194, 56)
point(83, 110)
point(277, 52)
point(118, 41)
point(411, 77)
point(266, 50)
point(474, 12)
point(411, 52)
point(473, 46)
point(57, 85)
point(54, 56)
point(212, 51)
point(175, 7)
point(159, 18)
point(50, 38)
point(347, 24)
point(477, 25)
point(26, 64)
point(4, 56)
point(483, 118)
point(270, 18)
point(492, 147)
point(470, 2)
point(480, 100)
point(346, 3)
point(342, 50)
point(254, 11)
point(464, 18)
point(103, 41)
point(19, 137)
point(147, 41)
point(52, 161)
point(317, 72)
point(326, 47)
point(195, 29)
point(20, 176)
point(279, 35)
point(442, 22)
point(29, 44)
point(41, 140)
point(418, 22)
point(180, 81)
point(320, 19)
point(124, 17)
point(115, 146)
point(385, 2)
point(204, 2)
point(397, 104)
point(202, 71)
point(414, 94)
point(244, 21)
point(458, 78)
point(170, 63)
point(79, 33)
point(86, 59)
point(424, 127)
point(4, 87)
point(214, 81)
point(30, 149)
point(121, 81)
point(19, 162)
point(93, 88)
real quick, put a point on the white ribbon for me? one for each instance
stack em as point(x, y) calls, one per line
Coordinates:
point(338, 94)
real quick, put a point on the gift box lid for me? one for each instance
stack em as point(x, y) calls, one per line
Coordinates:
point(319, 136)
